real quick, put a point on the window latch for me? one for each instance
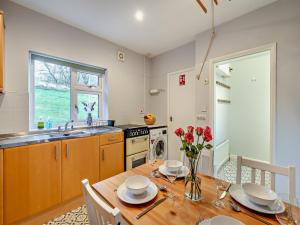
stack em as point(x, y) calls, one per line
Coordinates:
point(76, 107)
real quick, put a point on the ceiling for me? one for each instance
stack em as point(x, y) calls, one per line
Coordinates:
point(167, 23)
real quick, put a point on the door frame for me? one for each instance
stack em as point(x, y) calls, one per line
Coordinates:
point(168, 97)
point(272, 47)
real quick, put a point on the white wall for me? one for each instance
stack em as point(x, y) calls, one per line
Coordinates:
point(178, 59)
point(249, 110)
point(278, 22)
point(28, 30)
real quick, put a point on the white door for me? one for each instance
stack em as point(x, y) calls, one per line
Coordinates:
point(182, 106)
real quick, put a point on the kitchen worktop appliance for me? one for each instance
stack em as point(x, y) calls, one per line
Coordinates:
point(136, 145)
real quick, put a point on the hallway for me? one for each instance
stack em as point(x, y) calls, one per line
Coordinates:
point(228, 172)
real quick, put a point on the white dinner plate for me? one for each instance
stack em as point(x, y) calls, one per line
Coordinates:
point(184, 171)
point(221, 220)
point(237, 193)
point(130, 198)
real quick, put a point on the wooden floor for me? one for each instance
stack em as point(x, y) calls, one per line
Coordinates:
point(53, 213)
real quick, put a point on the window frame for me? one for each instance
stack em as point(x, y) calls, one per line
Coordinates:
point(75, 89)
point(78, 88)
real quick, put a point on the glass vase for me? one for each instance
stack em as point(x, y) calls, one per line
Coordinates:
point(192, 182)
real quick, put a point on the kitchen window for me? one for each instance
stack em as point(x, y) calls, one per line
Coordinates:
point(62, 90)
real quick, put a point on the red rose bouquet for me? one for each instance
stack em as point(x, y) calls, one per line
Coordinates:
point(193, 150)
point(202, 135)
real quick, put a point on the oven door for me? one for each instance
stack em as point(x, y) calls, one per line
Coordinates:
point(136, 160)
point(137, 144)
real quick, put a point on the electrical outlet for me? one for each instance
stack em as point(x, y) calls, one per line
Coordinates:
point(201, 117)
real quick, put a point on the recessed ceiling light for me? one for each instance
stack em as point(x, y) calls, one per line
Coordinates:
point(139, 15)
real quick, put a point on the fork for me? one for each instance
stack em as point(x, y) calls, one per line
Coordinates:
point(167, 193)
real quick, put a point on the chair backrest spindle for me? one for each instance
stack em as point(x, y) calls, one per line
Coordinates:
point(206, 162)
point(290, 172)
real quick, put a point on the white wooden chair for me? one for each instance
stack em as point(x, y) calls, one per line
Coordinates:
point(206, 162)
point(99, 213)
point(290, 172)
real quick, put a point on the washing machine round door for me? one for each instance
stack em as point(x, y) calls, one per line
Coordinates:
point(160, 148)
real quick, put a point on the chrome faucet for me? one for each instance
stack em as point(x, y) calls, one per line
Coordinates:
point(59, 128)
point(67, 123)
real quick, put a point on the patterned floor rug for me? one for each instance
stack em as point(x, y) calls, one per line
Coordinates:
point(75, 217)
point(228, 173)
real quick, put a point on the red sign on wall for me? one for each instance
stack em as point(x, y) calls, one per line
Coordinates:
point(182, 79)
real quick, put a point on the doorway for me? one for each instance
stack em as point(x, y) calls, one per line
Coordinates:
point(181, 107)
point(243, 108)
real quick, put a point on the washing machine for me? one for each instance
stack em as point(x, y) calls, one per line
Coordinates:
point(158, 142)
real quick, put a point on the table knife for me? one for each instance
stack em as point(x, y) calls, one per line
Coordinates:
point(151, 207)
point(223, 195)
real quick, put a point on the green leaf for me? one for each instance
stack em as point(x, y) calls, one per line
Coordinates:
point(208, 146)
point(189, 154)
point(194, 149)
point(200, 147)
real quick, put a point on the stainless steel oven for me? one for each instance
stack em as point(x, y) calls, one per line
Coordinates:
point(136, 145)
point(136, 160)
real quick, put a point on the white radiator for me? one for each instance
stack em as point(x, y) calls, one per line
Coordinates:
point(221, 155)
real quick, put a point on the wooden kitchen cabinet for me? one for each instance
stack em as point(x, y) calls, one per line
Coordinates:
point(1, 186)
point(111, 138)
point(80, 160)
point(111, 160)
point(1, 51)
point(32, 180)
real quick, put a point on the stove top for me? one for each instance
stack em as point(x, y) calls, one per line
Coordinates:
point(134, 130)
point(130, 126)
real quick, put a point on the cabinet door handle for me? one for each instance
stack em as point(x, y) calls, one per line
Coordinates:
point(67, 150)
point(102, 154)
point(56, 152)
point(112, 139)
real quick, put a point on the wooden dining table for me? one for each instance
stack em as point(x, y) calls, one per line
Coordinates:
point(173, 211)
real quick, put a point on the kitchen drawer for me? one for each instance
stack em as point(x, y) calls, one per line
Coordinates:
point(110, 138)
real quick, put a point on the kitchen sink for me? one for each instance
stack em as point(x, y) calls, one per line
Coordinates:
point(69, 134)
point(99, 130)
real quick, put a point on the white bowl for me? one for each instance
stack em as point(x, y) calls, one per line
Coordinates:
point(173, 165)
point(137, 184)
point(259, 194)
